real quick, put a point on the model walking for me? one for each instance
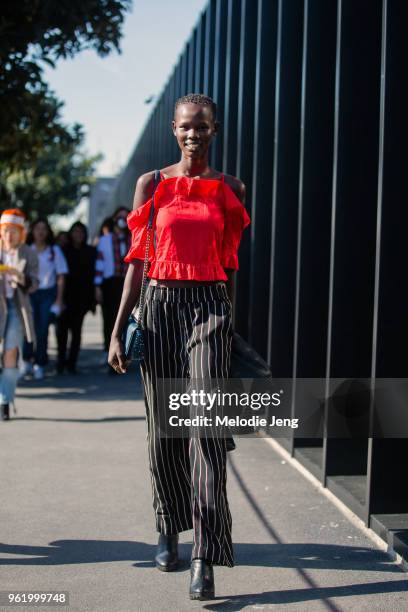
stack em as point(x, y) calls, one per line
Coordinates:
point(199, 218)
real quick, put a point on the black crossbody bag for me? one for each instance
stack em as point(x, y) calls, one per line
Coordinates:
point(133, 336)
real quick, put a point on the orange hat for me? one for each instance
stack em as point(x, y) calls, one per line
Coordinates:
point(13, 216)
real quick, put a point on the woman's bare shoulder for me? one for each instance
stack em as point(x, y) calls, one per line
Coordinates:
point(236, 185)
point(144, 189)
point(169, 171)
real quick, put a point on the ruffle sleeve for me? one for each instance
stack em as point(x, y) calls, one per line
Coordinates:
point(236, 220)
point(137, 223)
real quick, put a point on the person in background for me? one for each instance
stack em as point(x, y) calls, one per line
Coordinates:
point(79, 295)
point(49, 296)
point(106, 228)
point(110, 271)
point(18, 277)
point(62, 239)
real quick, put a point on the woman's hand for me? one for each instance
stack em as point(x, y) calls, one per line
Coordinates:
point(15, 274)
point(57, 308)
point(116, 357)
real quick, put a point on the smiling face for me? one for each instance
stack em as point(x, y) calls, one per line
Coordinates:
point(194, 127)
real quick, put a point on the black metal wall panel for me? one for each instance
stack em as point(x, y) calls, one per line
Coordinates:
point(220, 50)
point(262, 173)
point(230, 124)
point(184, 68)
point(285, 189)
point(387, 457)
point(353, 241)
point(315, 192)
point(199, 55)
point(176, 94)
point(245, 149)
point(191, 63)
point(210, 18)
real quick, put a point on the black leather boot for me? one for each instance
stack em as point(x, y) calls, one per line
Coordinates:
point(5, 412)
point(167, 552)
point(202, 580)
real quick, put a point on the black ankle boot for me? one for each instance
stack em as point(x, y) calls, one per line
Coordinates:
point(202, 580)
point(167, 553)
point(5, 412)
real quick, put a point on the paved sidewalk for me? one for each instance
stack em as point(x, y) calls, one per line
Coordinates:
point(76, 514)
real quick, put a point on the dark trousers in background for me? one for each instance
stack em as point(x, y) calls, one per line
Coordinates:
point(70, 321)
point(112, 292)
point(188, 334)
point(41, 302)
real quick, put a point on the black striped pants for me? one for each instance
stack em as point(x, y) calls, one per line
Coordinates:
point(188, 335)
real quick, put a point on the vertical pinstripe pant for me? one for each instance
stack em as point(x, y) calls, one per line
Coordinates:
point(188, 333)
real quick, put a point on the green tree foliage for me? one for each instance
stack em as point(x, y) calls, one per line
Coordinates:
point(61, 175)
point(34, 33)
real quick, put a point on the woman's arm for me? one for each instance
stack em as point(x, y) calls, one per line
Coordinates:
point(28, 279)
point(132, 284)
point(130, 297)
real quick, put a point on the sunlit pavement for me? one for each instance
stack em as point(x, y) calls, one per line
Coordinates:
point(76, 513)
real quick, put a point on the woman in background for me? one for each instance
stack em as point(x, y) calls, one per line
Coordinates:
point(110, 271)
point(106, 228)
point(49, 296)
point(79, 295)
point(18, 277)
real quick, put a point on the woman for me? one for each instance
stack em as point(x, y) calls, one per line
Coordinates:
point(110, 271)
point(49, 296)
point(78, 296)
point(18, 278)
point(199, 219)
point(106, 228)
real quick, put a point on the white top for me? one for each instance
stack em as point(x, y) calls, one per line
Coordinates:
point(105, 262)
point(9, 259)
point(51, 262)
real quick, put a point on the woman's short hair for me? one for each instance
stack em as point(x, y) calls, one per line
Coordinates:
point(194, 98)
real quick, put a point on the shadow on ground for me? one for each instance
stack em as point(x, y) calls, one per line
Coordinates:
point(306, 556)
point(296, 556)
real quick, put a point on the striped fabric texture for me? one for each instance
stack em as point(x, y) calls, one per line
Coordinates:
point(188, 332)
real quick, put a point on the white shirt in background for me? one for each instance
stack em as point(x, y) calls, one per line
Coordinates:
point(105, 262)
point(51, 262)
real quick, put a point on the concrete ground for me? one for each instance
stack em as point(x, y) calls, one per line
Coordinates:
point(76, 513)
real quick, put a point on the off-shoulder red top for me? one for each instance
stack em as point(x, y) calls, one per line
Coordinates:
point(198, 224)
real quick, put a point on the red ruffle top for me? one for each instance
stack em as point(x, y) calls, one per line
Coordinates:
point(198, 225)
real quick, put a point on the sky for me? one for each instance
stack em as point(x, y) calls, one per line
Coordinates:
point(106, 95)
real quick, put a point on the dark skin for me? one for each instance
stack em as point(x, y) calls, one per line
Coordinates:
point(194, 127)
